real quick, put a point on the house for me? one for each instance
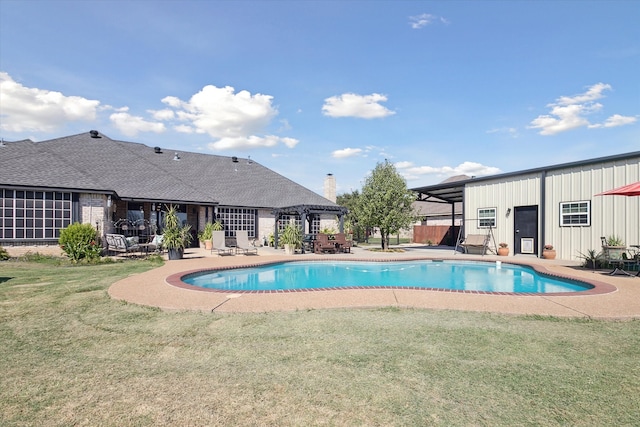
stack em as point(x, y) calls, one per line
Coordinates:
point(554, 205)
point(125, 187)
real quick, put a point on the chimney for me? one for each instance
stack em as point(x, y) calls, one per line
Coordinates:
point(330, 187)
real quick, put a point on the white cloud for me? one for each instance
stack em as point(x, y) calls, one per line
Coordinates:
point(221, 113)
point(184, 129)
point(289, 142)
point(131, 125)
point(403, 165)
point(346, 152)
point(592, 94)
point(410, 171)
point(40, 110)
point(244, 143)
point(511, 132)
point(424, 19)
point(165, 114)
point(235, 120)
point(352, 105)
point(616, 120)
point(569, 112)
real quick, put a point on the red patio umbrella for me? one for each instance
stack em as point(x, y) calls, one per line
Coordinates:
point(626, 190)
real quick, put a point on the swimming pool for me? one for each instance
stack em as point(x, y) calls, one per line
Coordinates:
point(421, 274)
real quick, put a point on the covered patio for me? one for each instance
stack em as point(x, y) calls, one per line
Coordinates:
point(307, 214)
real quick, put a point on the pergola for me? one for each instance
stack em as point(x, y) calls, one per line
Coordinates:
point(307, 213)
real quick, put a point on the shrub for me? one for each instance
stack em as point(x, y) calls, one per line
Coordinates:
point(80, 241)
point(4, 255)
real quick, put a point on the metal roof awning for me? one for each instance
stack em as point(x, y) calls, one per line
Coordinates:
point(452, 192)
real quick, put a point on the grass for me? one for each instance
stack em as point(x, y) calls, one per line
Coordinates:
point(72, 356)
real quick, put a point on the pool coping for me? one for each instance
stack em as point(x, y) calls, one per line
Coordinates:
point(612, 298)
point(597, 287)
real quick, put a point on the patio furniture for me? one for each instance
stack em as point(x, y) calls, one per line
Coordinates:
point(343, 245)
point(219, 244)
point(243, 245)
point(323, 244)
point(155, 244)
point(616, 257)
point(120, 244)
point(475, 244)
point(308, 242)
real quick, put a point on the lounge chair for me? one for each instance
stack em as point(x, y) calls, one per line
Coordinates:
point(219, 244)
point(475, 244)
point(243, 245)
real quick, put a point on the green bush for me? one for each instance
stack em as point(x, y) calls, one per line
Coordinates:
point(80, 241)
point(4, 255)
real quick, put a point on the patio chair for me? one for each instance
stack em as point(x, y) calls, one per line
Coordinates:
point(322, 244)
point(243, 245)
point(344, 245)
point(475, 244)
point(155, 244)
point(219, 244)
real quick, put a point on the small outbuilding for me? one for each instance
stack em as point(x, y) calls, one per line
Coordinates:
point(557, 206)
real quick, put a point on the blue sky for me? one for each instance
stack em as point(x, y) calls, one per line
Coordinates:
point(307, 88)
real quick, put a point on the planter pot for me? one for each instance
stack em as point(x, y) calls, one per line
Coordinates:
point(208, 244)
point(289, 249)
point(614, 252)
point(175, 253)
point(549, 253)
point(503, 251)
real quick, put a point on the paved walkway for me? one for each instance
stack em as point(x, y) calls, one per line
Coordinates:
point(616, 297)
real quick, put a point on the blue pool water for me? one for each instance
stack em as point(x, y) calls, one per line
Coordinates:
point(454, 275)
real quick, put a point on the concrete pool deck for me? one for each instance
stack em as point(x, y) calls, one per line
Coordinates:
point(617, 297)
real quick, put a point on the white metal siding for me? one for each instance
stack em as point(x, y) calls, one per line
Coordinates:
point(503, 195)
point(610, 215)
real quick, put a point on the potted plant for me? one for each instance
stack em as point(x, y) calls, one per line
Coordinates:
point(291, 238)
point(548, 252)
point(614, 248)
point(206, 235)
point(503, 250)
point(176, 236)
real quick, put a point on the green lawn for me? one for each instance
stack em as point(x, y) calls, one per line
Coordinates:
point(72, 356)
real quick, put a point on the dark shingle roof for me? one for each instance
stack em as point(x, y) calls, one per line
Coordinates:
point(136, 171)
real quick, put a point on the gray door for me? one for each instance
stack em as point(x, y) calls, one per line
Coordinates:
point(525, 223)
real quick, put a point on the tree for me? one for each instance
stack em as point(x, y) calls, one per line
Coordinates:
point(350, 201)
point(385, 202)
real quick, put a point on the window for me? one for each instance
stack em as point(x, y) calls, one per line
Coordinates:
point(486, 217)
point(238, 219)
point(575, 214)
point(315, 225)
point(286, 219)
point(34, 215)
